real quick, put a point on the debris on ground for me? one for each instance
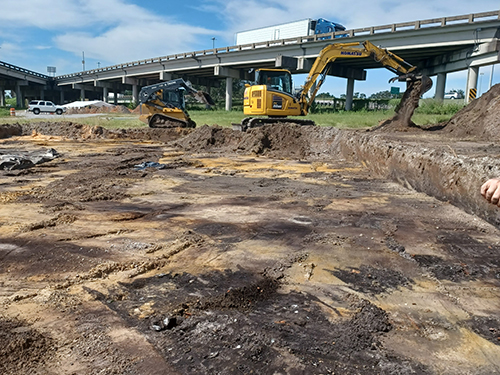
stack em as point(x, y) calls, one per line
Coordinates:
point(9, 162)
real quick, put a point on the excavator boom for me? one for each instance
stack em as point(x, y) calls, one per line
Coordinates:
point(332, 52)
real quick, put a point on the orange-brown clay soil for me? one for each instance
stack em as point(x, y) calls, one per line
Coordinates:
point(283, 250)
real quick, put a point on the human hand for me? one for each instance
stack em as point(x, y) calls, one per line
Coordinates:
point(491, 191)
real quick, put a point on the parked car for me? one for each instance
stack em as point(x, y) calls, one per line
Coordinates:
point(453, 95)
point(38, 106)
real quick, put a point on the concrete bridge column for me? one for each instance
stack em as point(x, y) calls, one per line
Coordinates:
point(208, 88)
point(440, 86)
point(105, 94)
point(42, 94)
point(349, 94)
point(229, 93)
point(61, 97)
point(135, 94)
point(82, 94)
point(115, 98)
point(2, 97)
point(19, 95)
point(473, 73)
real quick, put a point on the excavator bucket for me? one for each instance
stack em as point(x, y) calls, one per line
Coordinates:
point(426, 82)
point(416, 86)
point(203, 97)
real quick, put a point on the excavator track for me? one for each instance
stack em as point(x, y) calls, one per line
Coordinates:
point(255, 122)
point(161, 121)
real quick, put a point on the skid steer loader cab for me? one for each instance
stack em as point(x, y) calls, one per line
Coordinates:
point(174, 98)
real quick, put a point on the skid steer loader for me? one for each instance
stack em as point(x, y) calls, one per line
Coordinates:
point(163, 104)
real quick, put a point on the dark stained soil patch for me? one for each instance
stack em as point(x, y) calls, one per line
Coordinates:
point(487, 327)
point(240, 323)
point(472, 259)
point(372, 280)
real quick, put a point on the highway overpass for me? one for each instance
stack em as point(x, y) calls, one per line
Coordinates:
point(437, 46)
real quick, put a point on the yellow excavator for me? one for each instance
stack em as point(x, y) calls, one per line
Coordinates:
point(272, 95)
point(163, 104)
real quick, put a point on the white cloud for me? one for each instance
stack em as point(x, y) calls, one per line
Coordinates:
point(113, 31)
point(129, 42)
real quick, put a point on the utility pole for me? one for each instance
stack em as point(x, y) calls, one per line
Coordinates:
point(213, 42)
point(83, 60)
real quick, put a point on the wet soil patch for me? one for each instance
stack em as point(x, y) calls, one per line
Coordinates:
point(370, 280)
point(237, 322)
point(23, 350)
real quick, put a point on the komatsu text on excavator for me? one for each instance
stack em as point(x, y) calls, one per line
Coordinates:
point(163, 105)
point(272, 95)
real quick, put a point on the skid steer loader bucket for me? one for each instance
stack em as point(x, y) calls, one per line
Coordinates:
point(203, 97)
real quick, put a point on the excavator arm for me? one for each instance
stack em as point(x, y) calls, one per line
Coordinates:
point(332, 52)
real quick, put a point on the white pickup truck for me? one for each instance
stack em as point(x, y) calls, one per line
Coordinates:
point(38, 106)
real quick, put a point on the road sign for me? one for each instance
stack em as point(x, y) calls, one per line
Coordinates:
point(394, 90)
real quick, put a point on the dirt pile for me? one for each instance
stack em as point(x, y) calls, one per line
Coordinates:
point(480, 120)
point(284, 140)
point(98, 109)
point(22, 348)
point(8, 130)
point(71, 130)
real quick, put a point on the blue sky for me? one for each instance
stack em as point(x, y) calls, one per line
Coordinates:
point(35, 34)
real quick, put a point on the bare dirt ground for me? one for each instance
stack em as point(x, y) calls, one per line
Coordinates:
point(284, 250)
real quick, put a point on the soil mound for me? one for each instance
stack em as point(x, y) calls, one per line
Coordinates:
point(8, 130)
point(480, 120)
point(282, 140)
point(22, 348)
point(98, 109)
point(70, 130)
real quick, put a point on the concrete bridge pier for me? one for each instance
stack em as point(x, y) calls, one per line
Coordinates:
point(440, 86)
point(472, 77)
point(105, 93)
point(2, 97)
point(349, 94)
point(19, 93)
point(229, 93)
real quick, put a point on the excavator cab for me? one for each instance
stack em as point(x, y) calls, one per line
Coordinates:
point(272, 96)
point(276, 79)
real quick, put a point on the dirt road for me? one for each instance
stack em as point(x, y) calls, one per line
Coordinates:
point(279, 251)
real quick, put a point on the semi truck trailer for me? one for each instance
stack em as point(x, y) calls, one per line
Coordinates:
point(294, 29)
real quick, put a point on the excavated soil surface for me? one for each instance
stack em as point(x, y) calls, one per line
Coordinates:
point(283, 250)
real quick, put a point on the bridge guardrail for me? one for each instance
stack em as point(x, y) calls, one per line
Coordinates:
point(22, 70)
point(434, 22)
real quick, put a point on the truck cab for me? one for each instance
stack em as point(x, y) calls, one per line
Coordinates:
point(324, 26)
